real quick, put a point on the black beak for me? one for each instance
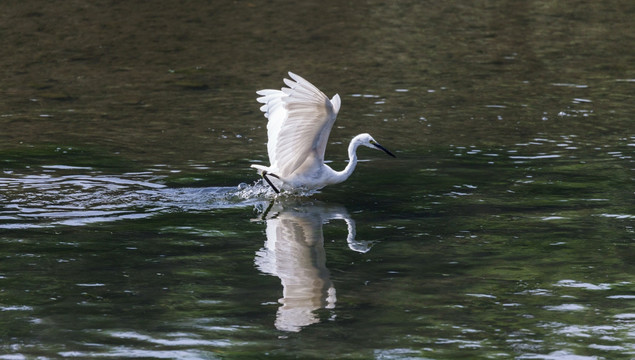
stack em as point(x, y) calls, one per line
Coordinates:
point(384, 149)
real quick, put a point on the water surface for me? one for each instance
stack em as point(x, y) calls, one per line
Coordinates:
point(132, 226)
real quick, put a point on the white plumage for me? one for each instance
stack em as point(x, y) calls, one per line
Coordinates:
point(300, 121)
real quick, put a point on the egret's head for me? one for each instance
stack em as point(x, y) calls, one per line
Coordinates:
point(367, 140)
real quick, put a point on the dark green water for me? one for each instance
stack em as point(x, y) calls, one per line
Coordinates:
point(131, 225)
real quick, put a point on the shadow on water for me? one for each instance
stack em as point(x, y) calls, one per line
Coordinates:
point(294, 252)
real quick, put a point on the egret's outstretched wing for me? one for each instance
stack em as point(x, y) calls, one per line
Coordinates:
point(300, 121)
point(276, 112)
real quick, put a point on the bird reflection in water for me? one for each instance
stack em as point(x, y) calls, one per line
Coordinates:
point(294, 252)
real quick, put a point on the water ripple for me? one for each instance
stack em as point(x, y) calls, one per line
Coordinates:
point(47, 200)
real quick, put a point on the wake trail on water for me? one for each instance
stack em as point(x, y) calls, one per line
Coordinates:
point(48, 200)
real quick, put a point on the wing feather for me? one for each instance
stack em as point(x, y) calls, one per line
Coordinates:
point(300, 121)
point(276, 113)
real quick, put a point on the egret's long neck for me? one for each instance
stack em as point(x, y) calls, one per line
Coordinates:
point(352, 161)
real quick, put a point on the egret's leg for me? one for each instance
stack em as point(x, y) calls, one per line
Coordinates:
point(264, 176)
point(266, 212)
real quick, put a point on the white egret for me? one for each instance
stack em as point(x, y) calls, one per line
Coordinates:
point(300, 121)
